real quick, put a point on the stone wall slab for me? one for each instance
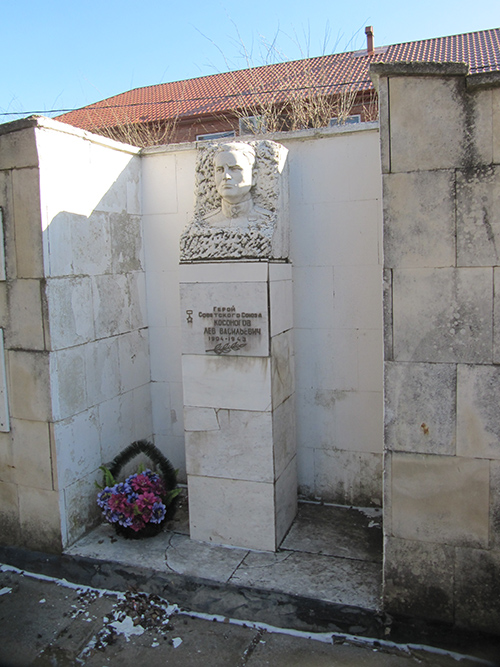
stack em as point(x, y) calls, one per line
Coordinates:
point(282, 367)
point(284, 435)
point(441, 315)
point(28, 230)
point(427, 125)
point(111, 301)
point(70, 311)
point(420, 408)
point(18, 150)
point(68, 382)
point(32, 454)
point(495, 505)
point(7, 468)
point(478, 216)
point(496, 315)
point(286, 500)
point(210, 382)
point(478, 398)
point(90, 251)
point(78, 446)
point(241, 447)
point(102, 370)
point(40, 519)
point(25, 330)
point(250, 523)
point(29, 385)
point(419, 578)
point(419, 215)
point(439, 499)
point(495, 94)
point(9, 514)
point(7, 205)
point(477, 605)
point(133, 355)
point(480, 104)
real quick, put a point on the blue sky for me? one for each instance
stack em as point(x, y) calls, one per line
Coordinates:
point(60, 55)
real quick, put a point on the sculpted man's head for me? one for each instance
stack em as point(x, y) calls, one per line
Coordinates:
point(234, 171)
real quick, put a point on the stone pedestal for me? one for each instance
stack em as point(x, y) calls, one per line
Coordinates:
point(238, 381)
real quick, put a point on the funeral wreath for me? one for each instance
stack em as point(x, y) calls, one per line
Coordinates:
point(138, 505)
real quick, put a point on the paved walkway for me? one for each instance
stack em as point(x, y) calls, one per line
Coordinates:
point(316, 602)
point(50, 622)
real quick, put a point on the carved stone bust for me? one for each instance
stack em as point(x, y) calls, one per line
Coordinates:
point(240, 188)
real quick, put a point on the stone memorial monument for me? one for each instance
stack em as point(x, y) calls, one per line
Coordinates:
point(237, 362)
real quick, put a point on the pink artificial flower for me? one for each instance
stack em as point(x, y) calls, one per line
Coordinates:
point(141, 483)
point(119, 503)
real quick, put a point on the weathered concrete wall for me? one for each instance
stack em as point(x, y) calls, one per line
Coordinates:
point(335, 217)
point(440, 139)
point(75, 324)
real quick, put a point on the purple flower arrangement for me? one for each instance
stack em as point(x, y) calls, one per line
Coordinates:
point(140, 500)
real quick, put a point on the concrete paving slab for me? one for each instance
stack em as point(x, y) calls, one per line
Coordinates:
point(191, 642)
point(346, 532)
point(36, 616)
point(284, 651)
point(331, 553)
point(198, 559)
point(103, 544)
point(338, 580)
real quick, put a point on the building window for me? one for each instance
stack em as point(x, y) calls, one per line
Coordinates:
point(356, 118)
point(215, 135)
point(252, 125)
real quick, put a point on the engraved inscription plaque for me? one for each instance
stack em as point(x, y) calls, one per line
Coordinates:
point(225, 319)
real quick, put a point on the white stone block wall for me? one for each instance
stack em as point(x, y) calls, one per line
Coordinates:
point(168, 205)
point(440, 132)
point(90, 312)
point(29, 501)
point(75, 321)
point(335, 217)
point(96, 303)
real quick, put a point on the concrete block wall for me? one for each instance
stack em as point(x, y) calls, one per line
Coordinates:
point(440, 141)
point(75, 324)
point(336, 219)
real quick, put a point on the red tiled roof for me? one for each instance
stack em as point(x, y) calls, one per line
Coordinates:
point(218, 93)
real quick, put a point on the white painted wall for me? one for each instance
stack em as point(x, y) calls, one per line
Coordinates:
point(335, 217)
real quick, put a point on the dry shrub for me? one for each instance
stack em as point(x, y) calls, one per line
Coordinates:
point(140, 134)
point(125, 126)
point(370, 107)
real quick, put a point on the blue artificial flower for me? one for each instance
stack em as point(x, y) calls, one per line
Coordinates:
point(122, 487)
point(110, 516)
point(104, 495)
point(158, 513)
point(124, 520)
